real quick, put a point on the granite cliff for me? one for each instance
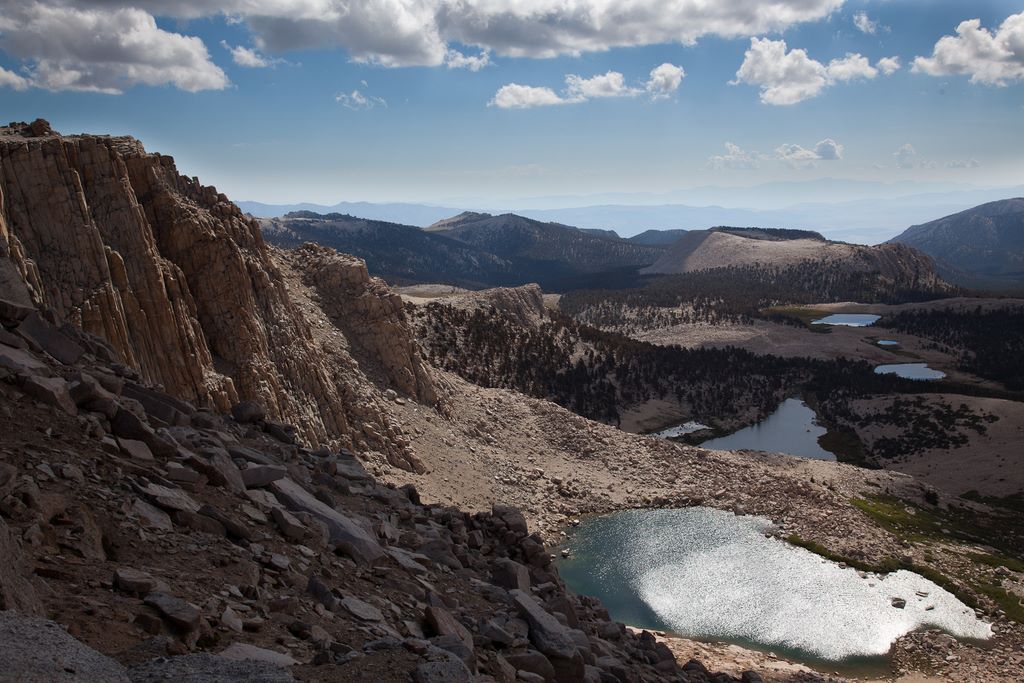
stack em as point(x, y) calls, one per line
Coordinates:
point(115, 240)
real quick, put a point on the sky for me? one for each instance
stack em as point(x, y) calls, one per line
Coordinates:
point(479, 101)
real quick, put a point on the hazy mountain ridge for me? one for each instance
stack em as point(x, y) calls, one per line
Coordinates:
point(401, 253)
point(979, 247)
point(512, 236)
point(856, 211)
point(469, 250)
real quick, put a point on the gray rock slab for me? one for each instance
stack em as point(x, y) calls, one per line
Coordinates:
point(34, 650)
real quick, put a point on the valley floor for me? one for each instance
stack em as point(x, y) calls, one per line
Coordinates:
point(556, 466)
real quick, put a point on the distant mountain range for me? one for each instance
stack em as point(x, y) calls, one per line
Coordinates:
point(982, 247)
point(827, 206)
point(470, 249)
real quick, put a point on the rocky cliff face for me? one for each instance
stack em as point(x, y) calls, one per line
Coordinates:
point(180, 283)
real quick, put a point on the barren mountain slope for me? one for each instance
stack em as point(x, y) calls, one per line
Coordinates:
point(181, 284)
point(980, 247)
point(710, 249)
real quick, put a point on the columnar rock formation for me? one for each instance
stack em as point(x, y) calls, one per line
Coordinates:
point(180, 282)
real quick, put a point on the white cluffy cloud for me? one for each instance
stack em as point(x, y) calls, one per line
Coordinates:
point(735, 157)
point(515, 96)
point(110, 45)
point(662, 82)
point(101, 50)
point(10, 79)
point(787, 76)
point(906, 156)
point(248, 57)
point(356, 100)
point(888, 65)
point(795, 155)
point(454, 59)
point(989, 58)
point(866, 24)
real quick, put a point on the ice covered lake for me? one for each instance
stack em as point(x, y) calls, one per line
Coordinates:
point(708, 574)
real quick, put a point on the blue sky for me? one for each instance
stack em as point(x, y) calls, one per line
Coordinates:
point(372, 107)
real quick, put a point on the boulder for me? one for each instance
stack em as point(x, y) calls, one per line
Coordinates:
point(257, 476)
point(175, 610)
point(550, 637)
point(85, 389)
point(290, 527)
point(348, 536)
point(362, 610)
point(510, 574)
point(219, 468)
point(20, 360)
point(533, 662)
point(160, 406)
point(231, 525)
point(441, 622)
point(52, 391)
point(134, 581)
point(36, 329)
point(512, 517)
point(136, 450)
point(168, 498)
point(12, 311)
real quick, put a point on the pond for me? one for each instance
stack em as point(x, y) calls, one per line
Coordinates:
point(708, 574)
point(791, 429)
point(887, 343)
point(848, 320)
point(910, 371)
point(680, 430)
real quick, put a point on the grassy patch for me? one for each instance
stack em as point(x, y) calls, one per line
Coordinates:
point(803, 316)
point(992, 560)
point(904, 520)
point(901, 352)
point(1014, 502)
point(1008, 602)
point(886, 566)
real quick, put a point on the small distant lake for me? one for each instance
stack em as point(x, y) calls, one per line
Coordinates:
point(848, 320)
point(708, 574)
point(887, 342)
point(910, 371)
point(680, 430)
point(792, 429)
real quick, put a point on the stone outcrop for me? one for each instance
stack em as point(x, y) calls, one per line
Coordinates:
point(322, 574)
point(181, 285)
point(369, 314)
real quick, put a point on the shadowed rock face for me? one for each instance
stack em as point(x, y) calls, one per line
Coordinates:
point(980, 247)
point(181, 284)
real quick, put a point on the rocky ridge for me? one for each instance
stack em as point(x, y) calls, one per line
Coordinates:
point(215, 548)
point(182, 286)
